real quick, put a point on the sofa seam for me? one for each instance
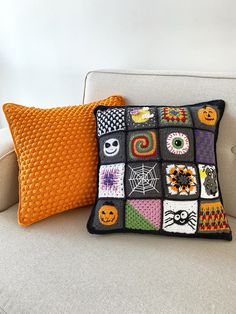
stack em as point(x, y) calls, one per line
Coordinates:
point(7, 154)
point(85, 84)
point(217, 76)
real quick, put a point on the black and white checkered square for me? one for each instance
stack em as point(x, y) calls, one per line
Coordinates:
point(110, 120)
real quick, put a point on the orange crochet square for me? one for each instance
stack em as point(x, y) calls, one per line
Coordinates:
point(57, 155)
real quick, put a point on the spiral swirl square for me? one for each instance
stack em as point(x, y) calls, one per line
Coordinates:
point(142, 145)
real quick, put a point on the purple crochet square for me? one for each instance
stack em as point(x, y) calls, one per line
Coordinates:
point(205, 147)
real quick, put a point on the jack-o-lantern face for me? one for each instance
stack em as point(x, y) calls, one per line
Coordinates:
point(108, 215)
point(207, 115)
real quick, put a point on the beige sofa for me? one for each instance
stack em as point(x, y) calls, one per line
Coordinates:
point(55, 266)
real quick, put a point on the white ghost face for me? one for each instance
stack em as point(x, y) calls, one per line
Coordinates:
point(111, 147)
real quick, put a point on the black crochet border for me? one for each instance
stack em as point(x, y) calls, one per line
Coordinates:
point(220, 105)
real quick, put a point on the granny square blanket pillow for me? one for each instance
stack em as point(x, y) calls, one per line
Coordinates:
point(158, 171)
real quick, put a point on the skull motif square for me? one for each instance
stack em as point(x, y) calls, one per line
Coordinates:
point(112, 148)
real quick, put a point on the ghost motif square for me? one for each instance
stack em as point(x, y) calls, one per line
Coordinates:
point(142, 145)
point(112, 148)
point(181, 181)
point(205, 146)
point(141, 117)
point(209, 181)
point(110, 120)
point(180, 216)
point(175, 116)
point(143, 214)
point(177, 144)
point(111, 180)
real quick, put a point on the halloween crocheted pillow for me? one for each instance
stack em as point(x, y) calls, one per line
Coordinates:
point(158, 171)
point(57, 156)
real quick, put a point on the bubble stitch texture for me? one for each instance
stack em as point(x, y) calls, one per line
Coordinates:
point(57, 156)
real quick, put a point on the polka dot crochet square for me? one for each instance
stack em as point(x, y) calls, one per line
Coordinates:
point(57, 156)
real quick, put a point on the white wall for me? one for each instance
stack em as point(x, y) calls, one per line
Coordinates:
point(47, 46)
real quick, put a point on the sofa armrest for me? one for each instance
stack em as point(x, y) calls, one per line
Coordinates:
point(8, 171)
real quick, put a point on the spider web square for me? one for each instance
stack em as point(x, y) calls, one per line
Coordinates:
point(143, 180)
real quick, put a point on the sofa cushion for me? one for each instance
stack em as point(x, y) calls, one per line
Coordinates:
point(57, 156)
point(158, 171)
point(56, 267)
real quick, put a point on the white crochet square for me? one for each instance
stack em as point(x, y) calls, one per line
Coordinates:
point(180, 216)
point(111, 181)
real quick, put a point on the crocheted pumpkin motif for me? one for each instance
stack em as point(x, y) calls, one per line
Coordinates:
point(207, 115)
point(108, 215)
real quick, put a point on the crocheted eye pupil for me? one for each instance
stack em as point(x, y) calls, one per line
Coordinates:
point(177, 217)
point(184, 215)
point(107, 145)
point(178, 143)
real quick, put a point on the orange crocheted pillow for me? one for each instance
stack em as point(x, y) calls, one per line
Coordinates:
point(57, 155)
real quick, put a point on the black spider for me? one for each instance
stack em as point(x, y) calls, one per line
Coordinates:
point(181, 217)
